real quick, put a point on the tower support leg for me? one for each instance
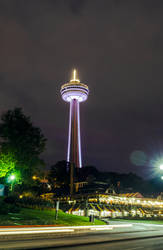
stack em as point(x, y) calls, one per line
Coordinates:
point(74, 140)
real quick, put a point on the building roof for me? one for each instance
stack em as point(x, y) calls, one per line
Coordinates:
point(134, 195)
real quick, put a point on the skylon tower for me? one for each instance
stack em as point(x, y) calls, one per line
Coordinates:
point(74, 92)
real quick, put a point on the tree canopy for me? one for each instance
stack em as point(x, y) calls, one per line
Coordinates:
point(59, 172)
point(22, 141)
point(7, 163)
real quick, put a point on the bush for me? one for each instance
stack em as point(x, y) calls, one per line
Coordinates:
point(11, 199)
point(6, 208)
point(36, 203)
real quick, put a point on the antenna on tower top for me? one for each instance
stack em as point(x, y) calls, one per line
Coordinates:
point(74, 74)
point(74, 79)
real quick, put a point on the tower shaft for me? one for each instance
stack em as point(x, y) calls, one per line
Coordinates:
point(74, 92)
point(74, 141)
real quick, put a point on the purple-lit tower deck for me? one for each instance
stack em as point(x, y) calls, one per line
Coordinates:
point(74, 92)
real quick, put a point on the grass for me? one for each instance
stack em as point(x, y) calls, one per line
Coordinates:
point(149, 221)
point(28, 216)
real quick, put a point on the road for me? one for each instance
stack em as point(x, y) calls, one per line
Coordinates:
point(116, 236)
point(146, 244)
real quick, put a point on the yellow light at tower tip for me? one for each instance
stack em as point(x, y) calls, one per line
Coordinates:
point(74, 73)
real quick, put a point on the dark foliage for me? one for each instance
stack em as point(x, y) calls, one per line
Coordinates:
point(87, 173)
point(8, 207)
point(35, 203)
point(59, 173)
point(25, 141)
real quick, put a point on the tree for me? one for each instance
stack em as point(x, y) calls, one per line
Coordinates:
point(87, 172)
point(23, 140)
point(7, 163)
point(59, 172)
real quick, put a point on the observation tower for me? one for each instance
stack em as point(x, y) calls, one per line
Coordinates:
point(74, 92)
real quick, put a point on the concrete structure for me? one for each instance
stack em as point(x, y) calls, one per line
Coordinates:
point(74, 92)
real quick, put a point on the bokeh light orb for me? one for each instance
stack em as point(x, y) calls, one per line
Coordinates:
point(138, 158)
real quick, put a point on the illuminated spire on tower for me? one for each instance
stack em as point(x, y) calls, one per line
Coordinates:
point(74, 92)
point(74, 73)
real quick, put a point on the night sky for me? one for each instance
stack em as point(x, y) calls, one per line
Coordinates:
point(117, 48)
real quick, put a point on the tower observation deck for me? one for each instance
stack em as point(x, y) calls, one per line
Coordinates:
point(74, 92)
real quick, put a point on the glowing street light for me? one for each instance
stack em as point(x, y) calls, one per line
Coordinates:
point(11, 179)
point(161, 177)
point(161, 166)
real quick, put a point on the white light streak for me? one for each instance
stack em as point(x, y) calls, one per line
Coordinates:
point(101, 228)
point(122, 225)
point(36, 231)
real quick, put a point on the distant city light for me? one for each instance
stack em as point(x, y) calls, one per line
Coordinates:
point(161, 166)
point(161, 177)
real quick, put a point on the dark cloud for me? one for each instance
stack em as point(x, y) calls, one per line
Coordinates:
point(117, 47)
point(76, 6)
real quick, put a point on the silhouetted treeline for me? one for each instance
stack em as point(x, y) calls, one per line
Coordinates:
point(97, 180)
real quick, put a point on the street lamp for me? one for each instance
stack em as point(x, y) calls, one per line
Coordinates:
point(11, 179)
